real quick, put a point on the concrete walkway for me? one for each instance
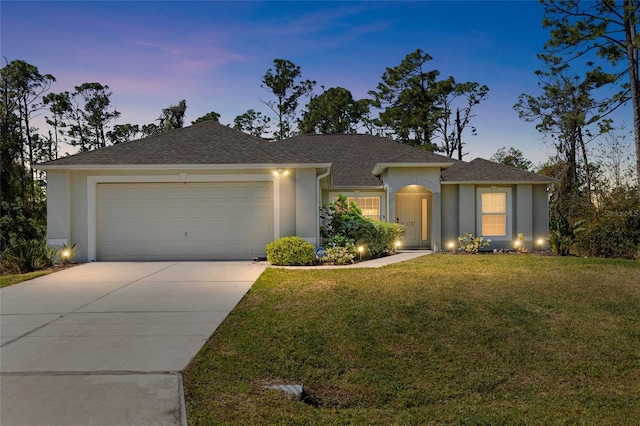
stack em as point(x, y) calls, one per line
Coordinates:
point(400, 256)
point(104, 343)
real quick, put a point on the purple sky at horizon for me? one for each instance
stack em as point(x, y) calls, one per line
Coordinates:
point(214, 54)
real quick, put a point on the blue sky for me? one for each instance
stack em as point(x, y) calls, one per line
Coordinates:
point(213, 54)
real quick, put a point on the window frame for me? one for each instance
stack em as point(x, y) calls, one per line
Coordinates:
point(508, 211)
point(358, 195)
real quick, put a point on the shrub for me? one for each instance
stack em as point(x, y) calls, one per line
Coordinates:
point(607, 239)
point(613, 228)
point(339, 255)
point(381, 239)
point(562, 236)
point(470, 244)
point(340, 218)
point(30, 255)
point(291, 251)
point(343, 222)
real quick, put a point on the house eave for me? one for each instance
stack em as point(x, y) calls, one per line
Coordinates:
point(497, 182)
point(358, 187)
point(379, 168)
point(108, 167)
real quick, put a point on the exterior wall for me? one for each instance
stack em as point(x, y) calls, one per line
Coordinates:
point(523, 205)
point(288, 204)
point(467, 213)
point(528, 213)
point(306, 211)
point(450, 222)
point(397, 178)
point(59, 201)
point(540, 217)
point(71, 200)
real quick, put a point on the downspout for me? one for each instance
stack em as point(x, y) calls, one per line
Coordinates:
point(319, 200)
point(386, 190)
point(386, 196)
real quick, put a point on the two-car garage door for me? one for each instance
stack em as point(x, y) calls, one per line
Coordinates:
point(177, 221)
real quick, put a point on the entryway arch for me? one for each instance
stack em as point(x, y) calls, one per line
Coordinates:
point(414, 210)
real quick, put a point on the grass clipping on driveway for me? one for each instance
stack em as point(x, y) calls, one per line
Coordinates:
point(483, 339)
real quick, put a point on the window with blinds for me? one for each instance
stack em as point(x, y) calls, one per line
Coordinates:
point(494, 213)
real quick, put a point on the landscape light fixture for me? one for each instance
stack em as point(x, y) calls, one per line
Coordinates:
point(451, 245)
point(360, 250)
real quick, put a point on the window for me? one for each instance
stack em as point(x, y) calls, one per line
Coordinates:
point(370, 206)
point(493, 212)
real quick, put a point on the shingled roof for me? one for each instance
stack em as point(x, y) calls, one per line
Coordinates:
point(204, 143)
point(352, 156)
point(481, 170)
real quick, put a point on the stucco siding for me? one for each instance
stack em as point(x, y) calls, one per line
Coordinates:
point(305, 204)
point(523, 203)
point(467, 209)
point(288, 204)
point(79, 213)
point(450, 207)
point(540, 216)
point(58, 200)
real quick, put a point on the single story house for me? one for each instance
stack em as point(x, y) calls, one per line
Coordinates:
point(208, 191)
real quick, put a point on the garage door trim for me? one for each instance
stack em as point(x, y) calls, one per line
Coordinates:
point(92, 189)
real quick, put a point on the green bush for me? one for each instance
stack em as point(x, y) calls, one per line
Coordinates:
point(381, 239)
point(613, 228)
point(470, 244)
point(339, 255)
point(562, 235)
point(30, 255)
point(291, 251)
point(343, 223)
point(341, 218)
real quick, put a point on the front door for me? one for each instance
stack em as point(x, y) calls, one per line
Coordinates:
point(411, 212)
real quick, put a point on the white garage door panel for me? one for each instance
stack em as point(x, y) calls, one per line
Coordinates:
point(184, 221)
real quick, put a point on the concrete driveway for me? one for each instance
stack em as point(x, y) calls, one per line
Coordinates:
point(104, 343)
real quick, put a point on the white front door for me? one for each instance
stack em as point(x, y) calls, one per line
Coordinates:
point(411, 212)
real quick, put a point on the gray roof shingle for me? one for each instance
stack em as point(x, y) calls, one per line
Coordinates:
point(353, 156)
point(481, 170)
point(203, 143)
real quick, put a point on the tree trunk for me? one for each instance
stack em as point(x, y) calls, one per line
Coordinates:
point(632, 56)
point(587, 169)
point(459, 128)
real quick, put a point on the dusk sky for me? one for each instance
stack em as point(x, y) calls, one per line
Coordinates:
point(214, 54)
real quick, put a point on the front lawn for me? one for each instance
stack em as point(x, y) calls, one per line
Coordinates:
point(443, 339)
point(11, 279)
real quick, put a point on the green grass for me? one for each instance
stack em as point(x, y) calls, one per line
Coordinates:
point(11, 279)
point(444, 339)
